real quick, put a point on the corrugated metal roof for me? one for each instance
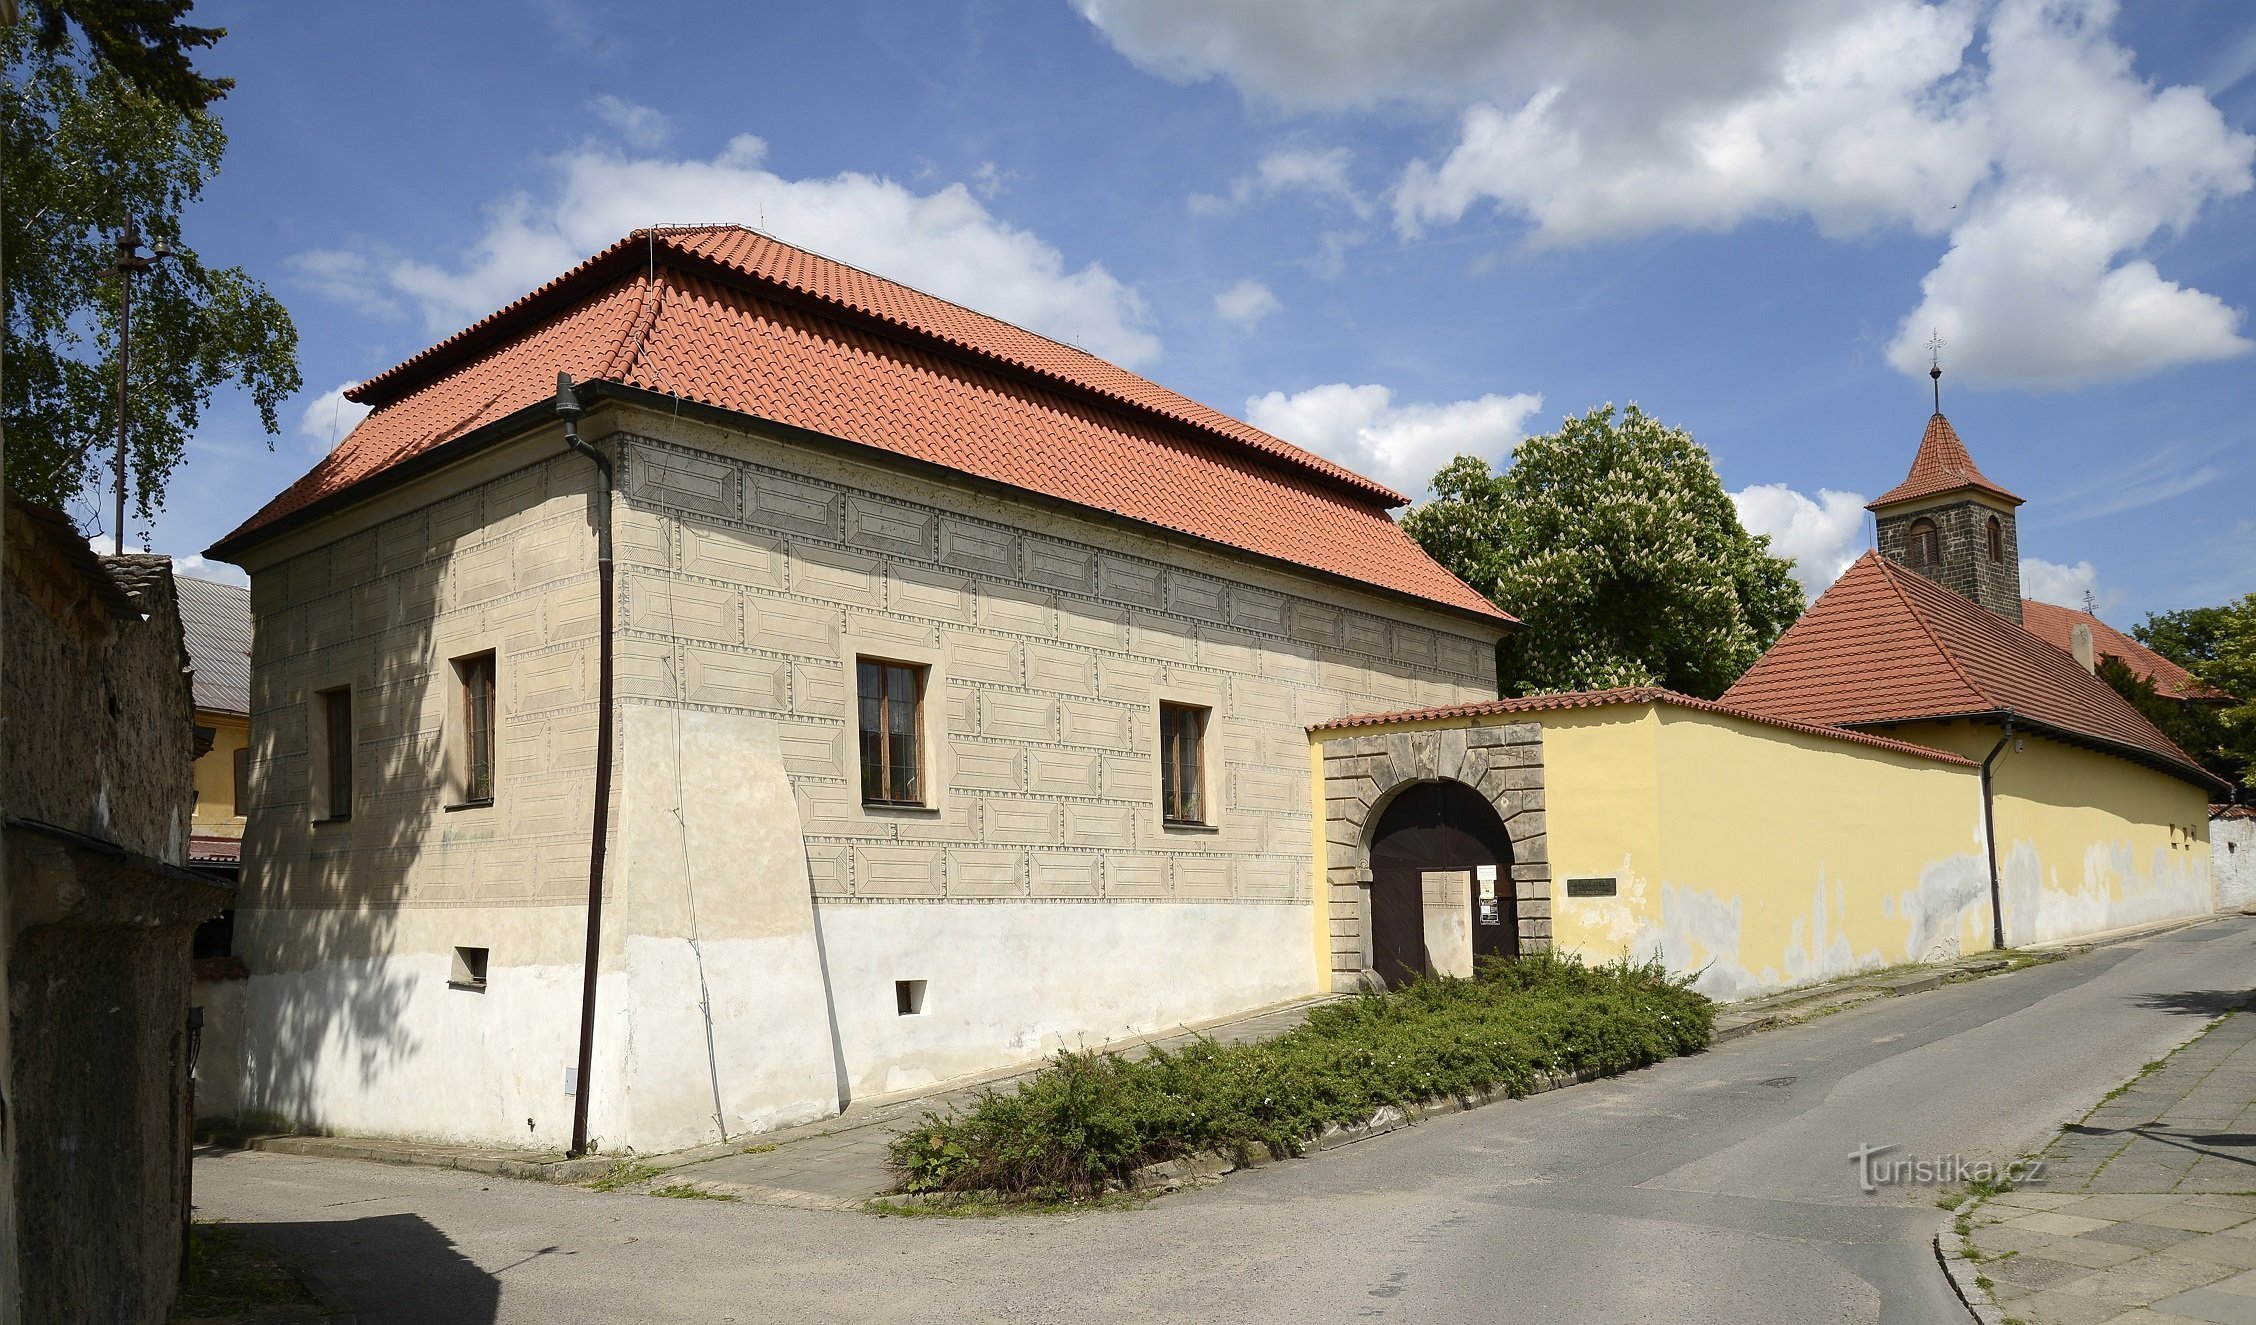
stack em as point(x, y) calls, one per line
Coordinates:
point(215, 624)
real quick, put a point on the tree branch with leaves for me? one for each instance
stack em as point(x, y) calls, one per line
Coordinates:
point(89, 143)
point(1614, 543)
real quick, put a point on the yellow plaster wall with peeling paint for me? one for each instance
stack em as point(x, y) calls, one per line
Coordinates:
point(2087, 842)
point(1759, 857)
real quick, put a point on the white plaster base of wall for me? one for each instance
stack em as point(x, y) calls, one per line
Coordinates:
point(2049, 901)
point(1007, 982)
point(386, 1048)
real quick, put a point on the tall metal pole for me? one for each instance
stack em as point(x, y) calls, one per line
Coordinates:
point(128, 245)
point(128, 265)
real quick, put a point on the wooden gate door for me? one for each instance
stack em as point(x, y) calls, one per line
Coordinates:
point(1437, 826)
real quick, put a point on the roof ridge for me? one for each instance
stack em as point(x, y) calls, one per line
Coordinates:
point(1888, 572)
point(1173, 407)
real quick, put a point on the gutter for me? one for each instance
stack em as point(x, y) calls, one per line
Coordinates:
point(1989, 836)
point(568, 407)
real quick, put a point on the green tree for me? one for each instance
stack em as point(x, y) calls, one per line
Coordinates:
point(86, 146)
point(1613, 541)
point(2217, 644)
point(2198, 729)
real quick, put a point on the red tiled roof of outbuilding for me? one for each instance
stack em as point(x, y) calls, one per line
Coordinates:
point(1943, 464)
point(2056, 625)
point(1887, 645)
point(730, 318)
point(1591, 699)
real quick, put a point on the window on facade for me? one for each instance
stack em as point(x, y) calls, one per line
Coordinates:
point(476, 675)
point(337, 725)
point(242, 782)
point(892, 725)
point(1182, 762)
point(1926, 545)
point(1997, 540)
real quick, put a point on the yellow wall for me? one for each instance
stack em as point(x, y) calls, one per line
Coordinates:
point(1760, 857)
point(2087, 842)
point(217, 815)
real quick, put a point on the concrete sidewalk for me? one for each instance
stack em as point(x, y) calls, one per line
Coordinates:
point(2145, 1211)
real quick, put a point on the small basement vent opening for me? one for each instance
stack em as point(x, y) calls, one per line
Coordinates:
point(908, 997)
point(469, 969)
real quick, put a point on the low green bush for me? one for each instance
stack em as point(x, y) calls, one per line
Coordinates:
point(1093, 1118)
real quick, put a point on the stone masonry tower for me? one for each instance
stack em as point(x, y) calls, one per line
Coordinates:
point(1950, 523)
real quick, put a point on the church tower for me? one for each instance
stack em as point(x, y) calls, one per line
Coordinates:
point(1950, 523)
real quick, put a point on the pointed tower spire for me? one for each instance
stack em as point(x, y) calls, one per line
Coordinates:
point(1935, 343)
point(1948, 521)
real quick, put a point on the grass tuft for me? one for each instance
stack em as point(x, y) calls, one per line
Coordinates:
point(625, 1173)
point(1091, 1119)
point(689, 1191)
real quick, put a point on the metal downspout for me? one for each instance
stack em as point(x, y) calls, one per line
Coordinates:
point(568, 408)
point(1989, 837)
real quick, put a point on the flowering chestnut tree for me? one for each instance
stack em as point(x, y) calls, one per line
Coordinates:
point(1613, 542)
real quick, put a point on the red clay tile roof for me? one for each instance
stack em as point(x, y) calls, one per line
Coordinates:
point(1942, 465)
point(736, 320)
point(1590, 699)
point(1886, 644)
point(2232, 811)
point(2056, 625)
point(212, 849)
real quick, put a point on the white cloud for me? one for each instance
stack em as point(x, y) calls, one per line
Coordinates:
point(1822, 536)
point(944, 242)
point(2020, 130)
point(350, 278)
point(2051, 582)
point(329, 416)
point(1246, 303)
point(636, 125)
point(1321, 175)
point(1400, 445)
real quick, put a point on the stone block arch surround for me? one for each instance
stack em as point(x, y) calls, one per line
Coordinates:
point(1364, 771)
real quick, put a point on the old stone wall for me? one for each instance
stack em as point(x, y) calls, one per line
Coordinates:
point(2232, 860)
point(1963, 530)
point(1364, 771)
point(97, 922)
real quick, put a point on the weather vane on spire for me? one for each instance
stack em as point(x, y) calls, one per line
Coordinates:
point(1935, 344)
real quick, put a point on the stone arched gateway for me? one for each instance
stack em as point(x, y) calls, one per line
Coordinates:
point(1365, 770)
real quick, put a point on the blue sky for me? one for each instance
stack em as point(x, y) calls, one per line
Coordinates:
point(1389, 231)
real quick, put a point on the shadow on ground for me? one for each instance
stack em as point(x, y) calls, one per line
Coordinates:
point(385, 1269)
point(2199, 1002)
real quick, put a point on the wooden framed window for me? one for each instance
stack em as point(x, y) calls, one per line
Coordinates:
point(476, 676)
point(1182, 763)
point(337, 725)
point(1997, 540)
point(1926, 544)
point(892, 731)
point(242, 782)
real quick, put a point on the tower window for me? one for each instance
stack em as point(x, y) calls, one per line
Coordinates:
point(1925, 546)
point(1997, 540)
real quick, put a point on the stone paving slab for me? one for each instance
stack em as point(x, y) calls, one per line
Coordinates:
point(2147, 1208)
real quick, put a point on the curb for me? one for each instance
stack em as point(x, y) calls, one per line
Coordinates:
point(337, 1147)
point(1207, 1165)
point(1962, 1274)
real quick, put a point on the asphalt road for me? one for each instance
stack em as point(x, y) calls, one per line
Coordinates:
point(1716, 1188)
